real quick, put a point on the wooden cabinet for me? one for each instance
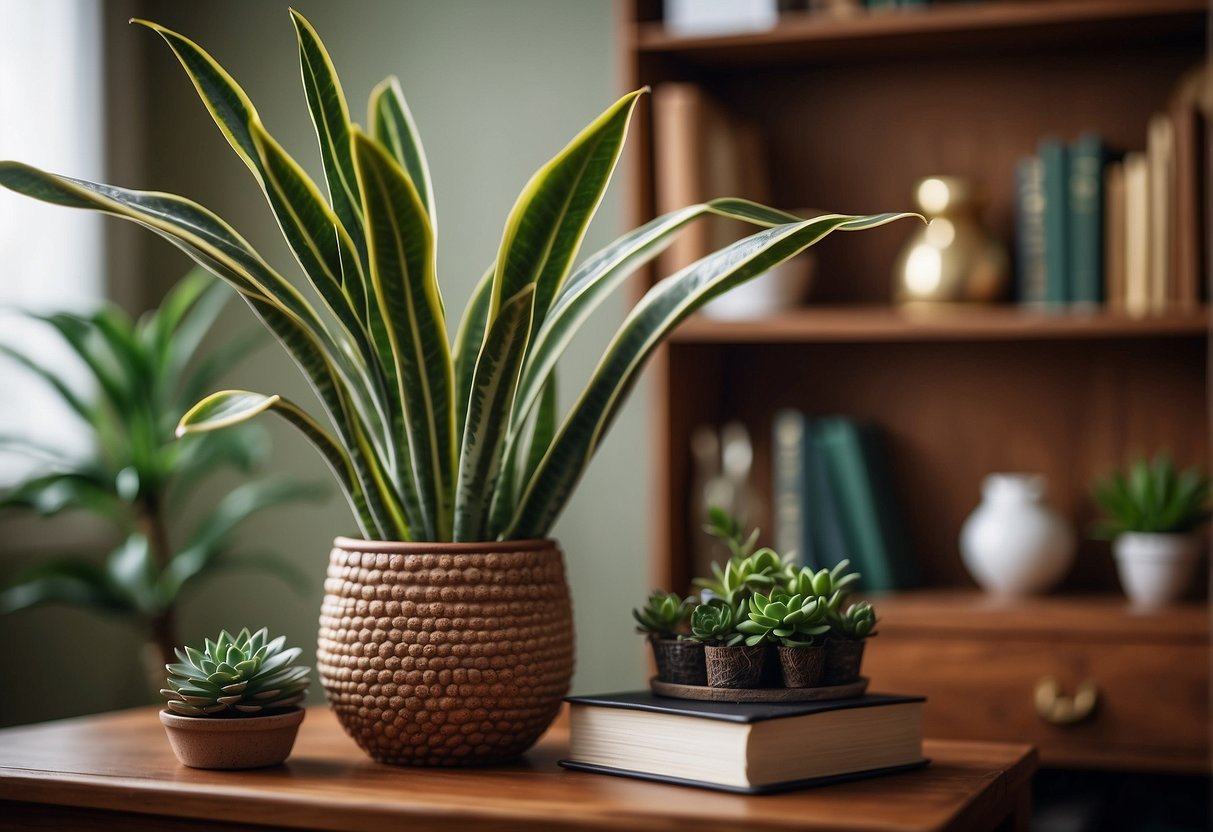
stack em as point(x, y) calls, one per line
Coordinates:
point(998, 670)
point(850, 113)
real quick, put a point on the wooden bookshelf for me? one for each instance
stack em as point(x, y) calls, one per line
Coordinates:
point(851, 113)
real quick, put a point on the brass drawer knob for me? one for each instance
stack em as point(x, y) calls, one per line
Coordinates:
point(1055, 707)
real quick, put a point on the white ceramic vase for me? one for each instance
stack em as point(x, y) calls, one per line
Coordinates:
point(1155, 569)
point(1013, 543)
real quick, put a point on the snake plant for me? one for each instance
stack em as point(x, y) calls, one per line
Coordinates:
point(431, 441)
point(138, 475)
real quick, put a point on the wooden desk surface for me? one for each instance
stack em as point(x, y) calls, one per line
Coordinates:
point(117, 771)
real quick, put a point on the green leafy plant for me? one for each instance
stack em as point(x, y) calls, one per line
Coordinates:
point(830, 585)
point(715, 623)
point(790, 620)
point(245, 675)
point(731, 530)
point(664, 616)
point(433, 442)
point(858, 621)
point(1152, 496)
point(138, 473)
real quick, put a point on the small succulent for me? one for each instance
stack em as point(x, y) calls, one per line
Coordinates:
point(742, 576)
point(245, 674)
point(829, 584)
point(664, 615)
point(857, 622)
point(790, 620)
point(730, 529)
point(714, 623)
point(1152, 497)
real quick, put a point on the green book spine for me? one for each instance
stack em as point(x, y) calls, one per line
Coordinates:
point(1054, 162)
point(831, 543)
point(1086, 220)
point(865, 504)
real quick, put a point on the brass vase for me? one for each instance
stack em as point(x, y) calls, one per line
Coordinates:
point(954, 258)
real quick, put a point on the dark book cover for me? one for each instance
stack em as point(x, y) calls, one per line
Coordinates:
point(1086, 244)
point(1054, 159)
point(743, 712)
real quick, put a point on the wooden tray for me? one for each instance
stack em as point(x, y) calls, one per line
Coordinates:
point(710, 694)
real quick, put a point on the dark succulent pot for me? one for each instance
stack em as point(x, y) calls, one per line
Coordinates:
point(679, 662)
point(735, 667)
point(445, 653)
point(802, 667)
point(843, 659)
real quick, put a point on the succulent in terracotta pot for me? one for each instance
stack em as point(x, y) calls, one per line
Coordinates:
point(729, 661)
point(849, 629)
point(437, 446)
point(665, 618)
point(793, 623)
point(235, 703)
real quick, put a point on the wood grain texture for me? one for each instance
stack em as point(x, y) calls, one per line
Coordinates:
point(978, 662)
point(709, 694)
point(120, 763)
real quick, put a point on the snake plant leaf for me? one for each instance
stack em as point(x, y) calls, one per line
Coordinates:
point(199, 378)
point(231, 407)
point(469, 338)
point(547, 224)
point(544, 428)
point(392, 127)
point(400, 244)
point(516, 471)
point(331, 118)
point(493, 385)
point(590, 284)
point(659, 312)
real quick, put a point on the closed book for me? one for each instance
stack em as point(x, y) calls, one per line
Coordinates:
point(1054, 160)
point(1137, 259)
point(821, 507)
point(1030, 231)
point(751, 748)
point(792, 489)
point(1188, 204)
point(1160, 159)
point(1085, 248)
point(862, 488)
point(1114, 236)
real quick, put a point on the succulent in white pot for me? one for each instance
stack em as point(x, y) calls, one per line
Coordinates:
point(1153, 514)
point(452, 455)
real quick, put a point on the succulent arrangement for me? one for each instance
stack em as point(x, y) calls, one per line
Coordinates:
point(433, 442)
point(1152, 496)
point(234, 676)
point(143, 376)
point(664, 616)
point(761, 598)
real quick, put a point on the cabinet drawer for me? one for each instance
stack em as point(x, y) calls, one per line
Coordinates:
point(1152, 699)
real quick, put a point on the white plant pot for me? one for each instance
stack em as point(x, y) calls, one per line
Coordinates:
point(1013, 544)
point(1155, 569)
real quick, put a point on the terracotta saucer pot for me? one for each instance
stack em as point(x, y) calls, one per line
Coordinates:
point(232, 743)
point(444, 654)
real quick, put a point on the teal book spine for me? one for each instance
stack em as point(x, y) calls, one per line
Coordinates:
point(1054, 160)
point(830, 540)
point(791, 488)
point(1086, 220)
point(866, 504)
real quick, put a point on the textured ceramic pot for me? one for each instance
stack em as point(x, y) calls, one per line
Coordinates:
point(239, 742)
point(843, 661)
point(1013, 543)
point(1155, 569)
point(445, 653)
point(735, 667)
point(802, 667)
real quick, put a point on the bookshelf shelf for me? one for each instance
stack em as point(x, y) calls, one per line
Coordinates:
point(884, 324)
point(801, 38)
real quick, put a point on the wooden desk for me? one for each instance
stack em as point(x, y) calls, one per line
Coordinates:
point(116, 771)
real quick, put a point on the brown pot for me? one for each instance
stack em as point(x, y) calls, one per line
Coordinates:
point(802, 667)
point(445, 653)
point(679, 662)
point(844, 657)
point(735, 667)
point(232, 743)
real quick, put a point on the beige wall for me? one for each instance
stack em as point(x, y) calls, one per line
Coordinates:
point(496, 89)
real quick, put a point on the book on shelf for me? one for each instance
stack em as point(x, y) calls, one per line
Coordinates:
point(1086, 203)
point(1191, 185)
point(1030, 231)
point(1160, 184)
point(1137, 257)
point(1054, 161)
point(834, 499)
point(750, 748)
point(1114, 236)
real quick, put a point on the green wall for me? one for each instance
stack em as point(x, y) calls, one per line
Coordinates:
point(496, 88)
